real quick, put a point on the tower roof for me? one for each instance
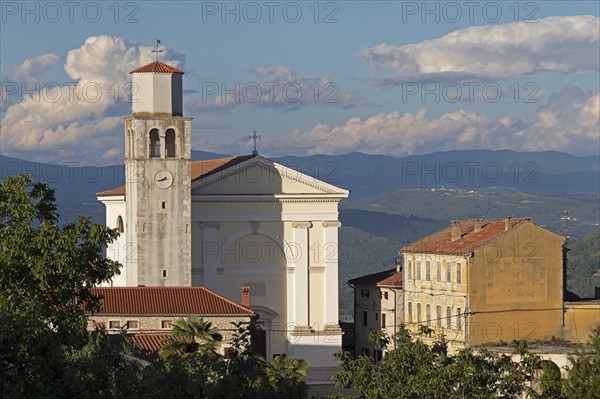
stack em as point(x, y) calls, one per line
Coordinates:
point(157, 67)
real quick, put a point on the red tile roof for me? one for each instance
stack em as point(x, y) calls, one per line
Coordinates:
point(209, 167)
point(384, 278)
point(441, 242)
point(165, 301)
point(149, 344)
point(199, 170)
point(157, 67)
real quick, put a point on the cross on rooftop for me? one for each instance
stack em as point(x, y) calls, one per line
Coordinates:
point(255, 137)
point(156, 42)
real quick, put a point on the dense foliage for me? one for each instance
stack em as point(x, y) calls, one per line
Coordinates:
point(415, 370)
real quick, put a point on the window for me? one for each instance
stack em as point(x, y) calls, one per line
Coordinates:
point(132, 324)
point(458, 319)
point(438, 316)
point(154, 144)
point(384, 295)
point(438, 271)
point(409, 270)
point(448, 316)
point(418, 271)
point(165, 324)
point(365, 317)
point(364, 293)
point(365, 351)
point(428, 271)
point(458, 273)
point(377, 355)
point(410, 318)
point(114, 324)
point(428, 314)
point(449, 272)
point(170, 143)
point(418, 313)
point(376, 316)
point(383, 320)
point(100, 325)
point(164, 273)
point(120, 225)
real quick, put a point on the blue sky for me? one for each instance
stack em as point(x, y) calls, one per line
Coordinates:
point(392, 78)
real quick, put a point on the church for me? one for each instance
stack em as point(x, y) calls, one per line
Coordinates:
point(223, 224)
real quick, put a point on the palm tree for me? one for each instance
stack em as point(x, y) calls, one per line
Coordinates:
point(191, 336)
point(290, 367)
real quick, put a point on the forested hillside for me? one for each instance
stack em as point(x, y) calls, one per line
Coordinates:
point(584, 265)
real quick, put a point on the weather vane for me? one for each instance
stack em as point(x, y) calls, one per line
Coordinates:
point(156, 42)
point(254, 137)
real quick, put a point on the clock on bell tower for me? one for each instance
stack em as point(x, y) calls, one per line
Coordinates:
point(157, 174)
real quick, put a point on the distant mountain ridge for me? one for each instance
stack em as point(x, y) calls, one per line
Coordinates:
point(365, 175)
point(501, 170)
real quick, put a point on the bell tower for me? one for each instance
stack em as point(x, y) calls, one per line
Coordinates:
point(157, 175)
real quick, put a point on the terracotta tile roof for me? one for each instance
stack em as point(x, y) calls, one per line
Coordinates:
point(384, 278)
point(199, 170)
point(157, 67)
point(441, 242)
point(112, 192)
point(165, 301)
point(148, 344)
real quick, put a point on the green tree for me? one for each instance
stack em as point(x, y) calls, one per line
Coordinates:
point(414, 370)
point(287, 375)
point(584, 374)
point(191, 337)
point(46, 272)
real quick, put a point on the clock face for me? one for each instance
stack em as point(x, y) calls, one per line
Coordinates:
point(163, 179)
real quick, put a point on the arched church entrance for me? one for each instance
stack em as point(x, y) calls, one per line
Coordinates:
point(257, 261)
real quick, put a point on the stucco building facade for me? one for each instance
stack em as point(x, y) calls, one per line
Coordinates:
point(226, 223)
point(484, 281)
point(378, 305)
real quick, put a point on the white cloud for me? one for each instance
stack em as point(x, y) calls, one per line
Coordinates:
point(570, 122)
point(33, 69)
point(564, 44)
point(85, 116)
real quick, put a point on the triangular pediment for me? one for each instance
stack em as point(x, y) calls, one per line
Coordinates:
point(261, 176)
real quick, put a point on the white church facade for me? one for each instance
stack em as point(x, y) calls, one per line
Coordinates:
point(226, 223)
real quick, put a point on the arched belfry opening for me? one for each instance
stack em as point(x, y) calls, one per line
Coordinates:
point(120, 225)
point(170, 143)
point(154, 144)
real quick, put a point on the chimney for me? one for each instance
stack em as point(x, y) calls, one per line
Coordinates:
point(455, 230)
point(399, 265)
point(477, 226)
point(508, 222)
point(246, 296)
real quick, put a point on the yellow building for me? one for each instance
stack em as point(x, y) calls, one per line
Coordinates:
point(581, 317)
point(484, 281)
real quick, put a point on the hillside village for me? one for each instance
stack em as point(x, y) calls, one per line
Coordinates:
point(210, 246)
point(237, 238)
